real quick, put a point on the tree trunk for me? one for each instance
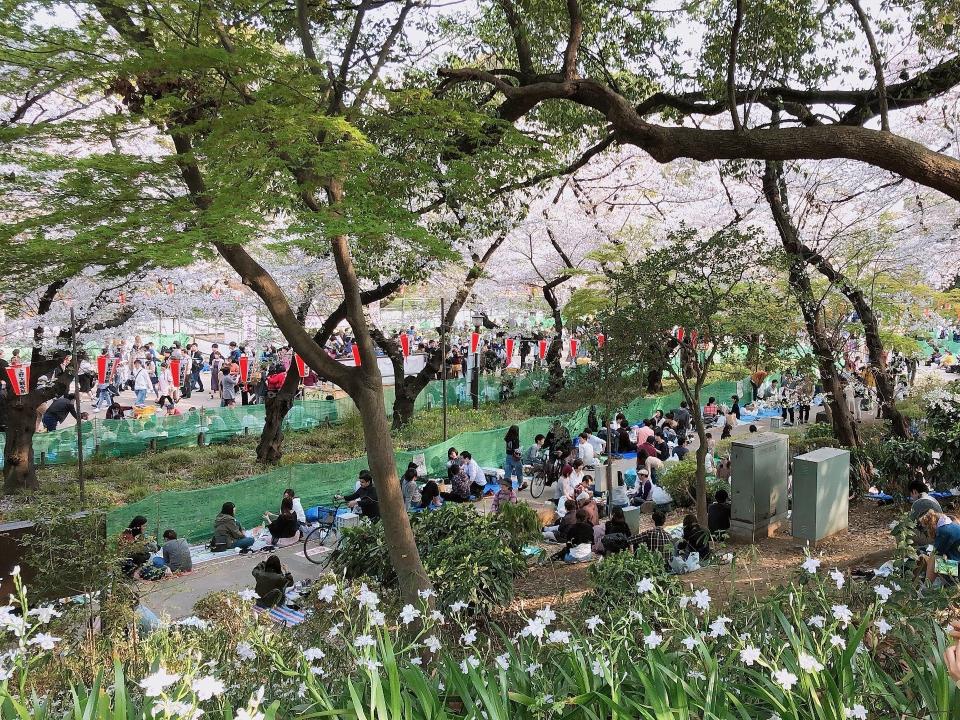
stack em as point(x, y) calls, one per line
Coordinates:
point(753, 352)
point(655, 381)
point(843, 426)
point(404, 556)
point(269, 449)
point(555, 351)
point(19, 471)
point(701, 462)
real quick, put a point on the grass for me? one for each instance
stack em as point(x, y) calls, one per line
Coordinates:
point(112, 482)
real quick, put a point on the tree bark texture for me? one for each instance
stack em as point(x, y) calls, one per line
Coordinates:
point(19, 471)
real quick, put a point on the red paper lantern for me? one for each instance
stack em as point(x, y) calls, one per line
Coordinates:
point(19, 379)
point(405, 344)
point(474, 342)
point(680, 334)
point(542, 345)
point(573, 347)
point(601, 339)
point(106, 368)
point(509, 350)
point(175, 371)
point(355, 349)
point(244, 367)
point(301, 366)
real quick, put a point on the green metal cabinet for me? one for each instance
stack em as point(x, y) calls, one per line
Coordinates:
point(821, 489)
point(759, 464)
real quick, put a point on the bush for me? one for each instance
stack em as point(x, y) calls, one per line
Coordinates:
point(519, 522)
point(679, 478)
point(469, 557)
point(616, 576)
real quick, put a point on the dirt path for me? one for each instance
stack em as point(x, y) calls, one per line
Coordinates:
point(757, 568)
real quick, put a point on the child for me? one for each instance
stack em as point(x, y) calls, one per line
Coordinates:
point(505, 494)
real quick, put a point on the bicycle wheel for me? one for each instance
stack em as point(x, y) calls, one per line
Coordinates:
point(319, 544)
point(537, 483)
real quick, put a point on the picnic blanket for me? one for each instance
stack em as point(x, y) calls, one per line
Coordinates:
point(282, 615)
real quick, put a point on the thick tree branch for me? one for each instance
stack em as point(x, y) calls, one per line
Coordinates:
point(573, 40)
point(519, 32)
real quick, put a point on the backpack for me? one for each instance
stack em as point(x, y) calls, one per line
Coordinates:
point(614, 543)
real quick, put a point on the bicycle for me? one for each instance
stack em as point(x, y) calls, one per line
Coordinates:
point(320, 543)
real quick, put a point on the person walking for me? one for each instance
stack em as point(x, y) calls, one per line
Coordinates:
point(141, 383)
point(196, 366)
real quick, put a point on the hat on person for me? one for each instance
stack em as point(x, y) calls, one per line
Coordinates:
point(643, 471)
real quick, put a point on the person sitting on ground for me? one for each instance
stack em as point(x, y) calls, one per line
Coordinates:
point(297, 505)
point(644, 487)
point(453, 463)
point(625, 443)
point(565, 486)
point(430, 495)
point(116, 411)
point(478, 481)
point(586, 503)
point(579, 546)
point(135, 546)
point(718, 514)
point(285, 525)
point(176, 553)
point(410, 489)
point(920, 500)
point(944, 532)
point(710, 411)
point(681, 450)
point(363, 500)
point(228, 533)
point(172, 410)
point(505, 495)
point(695, 538)
point(560, 531)
point(585, 452)
point(656, 540)
point(648, 447)
point(617, 523)
point(459, 487)
point(271, 582)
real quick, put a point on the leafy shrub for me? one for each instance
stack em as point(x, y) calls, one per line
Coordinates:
point(519, 522)
point(469, 557)
point(899, 460)
point(615, 578)
point(679, 478)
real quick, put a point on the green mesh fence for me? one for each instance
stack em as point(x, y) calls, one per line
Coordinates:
point(191, 513)
point(123, 438)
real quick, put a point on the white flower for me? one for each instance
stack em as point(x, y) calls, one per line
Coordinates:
point(44, 613)
point(689, 642)
point(696, 674)
point(883, 627)
point(644, 586)
point(426, 594)
point(154, 684)
point(817, 621)
point(653, 639)
point(248, 595)
point(701, 598)
point(207, 687)
point(838, 578)
point(598, 668)
point(362, 641)
point(46, 641)
point(532, 668)
point(16, 624)
point(896, 586)
point(469, 662)
point(194, 622)
point(327, 593)
point(546, 614)
point(808, 663)
point(684, 600)
point(409, 614)
point(503, 661)
point(334, 630)
point(857, 712)
point(843, 614)
point(317, 670)
point(810, 565)
point(718, 627)
point(175, 709)
point(370, 664)
point(838, 642)
point(469, 637)
point(313, 654)
point(244, 714)
point(593, 622)
point(437, 617)
point(535, 628)
point(458, 606)
point(561, 637)
point(377, 618)
point(432, 644)
point(727, 557)
point(883, 592)
point(416, 661)
point(749, 655)
point(367, 598)
point(15, 572)
point(245, 652)
point(785, 679)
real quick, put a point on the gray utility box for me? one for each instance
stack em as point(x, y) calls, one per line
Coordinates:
point(821, 490)
point(759, 465)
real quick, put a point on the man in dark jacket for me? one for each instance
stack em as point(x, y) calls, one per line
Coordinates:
point(364, 498)
point(57, 412)
point(272, 582)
